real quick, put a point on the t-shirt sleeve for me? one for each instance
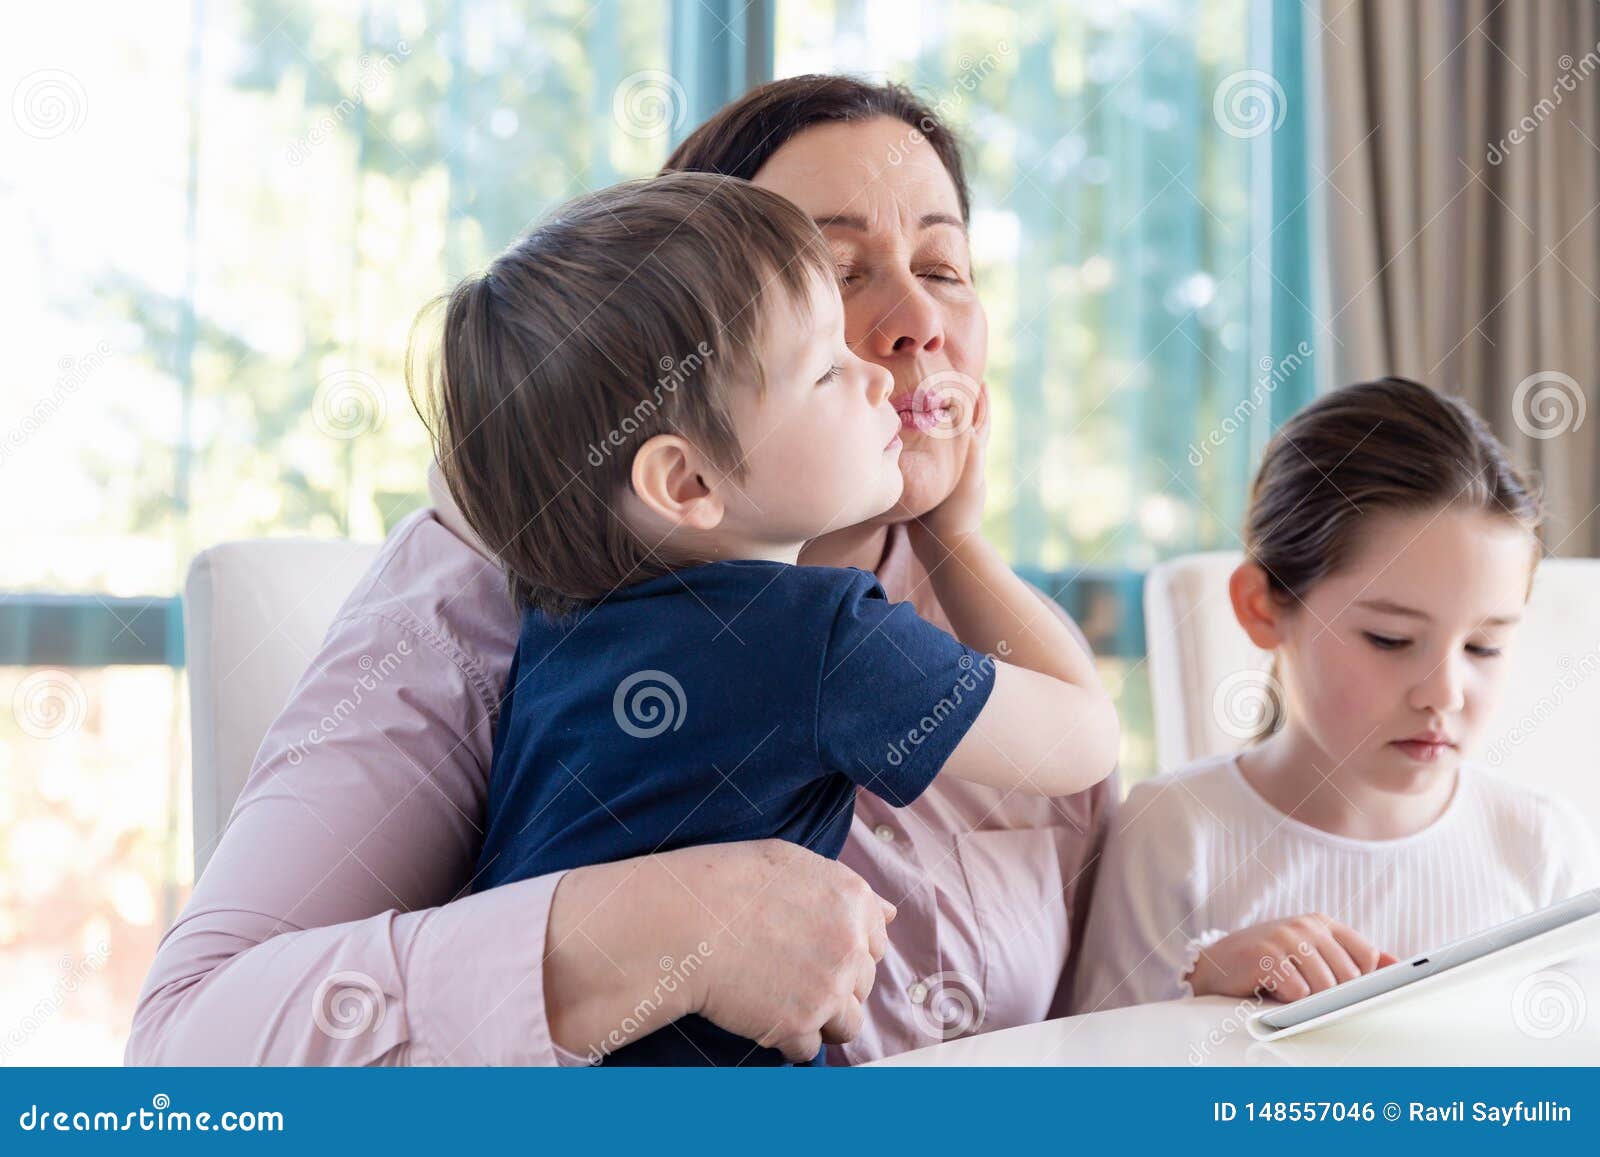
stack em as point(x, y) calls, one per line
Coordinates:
point(896, 694)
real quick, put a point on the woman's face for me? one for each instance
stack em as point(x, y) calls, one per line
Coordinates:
point(888, 208)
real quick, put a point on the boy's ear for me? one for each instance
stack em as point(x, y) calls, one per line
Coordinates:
point(669, 478)
point(1258, 612)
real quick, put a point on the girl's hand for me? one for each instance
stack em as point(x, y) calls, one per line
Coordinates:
point(1285, 959)
point(961, 513)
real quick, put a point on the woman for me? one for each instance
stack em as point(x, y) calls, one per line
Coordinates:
point(329, 928)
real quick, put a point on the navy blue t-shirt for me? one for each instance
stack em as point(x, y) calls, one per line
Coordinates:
point(730, 701)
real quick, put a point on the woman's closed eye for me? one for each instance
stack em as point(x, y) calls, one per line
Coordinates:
point(832, 375)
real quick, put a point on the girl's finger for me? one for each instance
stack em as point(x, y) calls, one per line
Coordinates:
point(1340, 961)
point(1361, 951)
point(1290, 986)
point(1311, 965)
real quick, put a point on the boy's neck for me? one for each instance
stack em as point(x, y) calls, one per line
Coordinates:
point(1293, 774)
point(862, 546)
point(859, 546)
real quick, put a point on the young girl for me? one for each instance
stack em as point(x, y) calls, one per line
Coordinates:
point(645, 408)
point(1389, 552)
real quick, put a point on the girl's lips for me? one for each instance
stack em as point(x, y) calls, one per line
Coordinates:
point(1423, 751)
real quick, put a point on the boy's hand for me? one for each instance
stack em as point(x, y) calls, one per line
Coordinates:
point(961, 513)
point(1285, 959)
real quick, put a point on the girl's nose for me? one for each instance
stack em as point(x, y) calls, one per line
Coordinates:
point(1442, 689)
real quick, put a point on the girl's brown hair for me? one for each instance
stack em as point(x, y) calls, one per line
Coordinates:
point(1386, 445)
point(628, 313)
point(743, 134)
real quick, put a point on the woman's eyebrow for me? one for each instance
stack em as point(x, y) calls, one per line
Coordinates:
point(857, 221)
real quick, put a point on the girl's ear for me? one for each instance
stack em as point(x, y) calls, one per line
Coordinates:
point(1253, 605)
point(669, 478)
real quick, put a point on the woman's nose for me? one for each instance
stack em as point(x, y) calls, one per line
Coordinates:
point(910, 321)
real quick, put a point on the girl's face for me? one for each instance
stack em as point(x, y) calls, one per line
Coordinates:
point(886, 205)
point(1393, 666)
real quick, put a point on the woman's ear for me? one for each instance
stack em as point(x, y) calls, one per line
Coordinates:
point(669, 478)
point(1254, 606)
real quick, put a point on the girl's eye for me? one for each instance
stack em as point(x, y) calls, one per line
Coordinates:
point(1385, 642)
point(1482, 652)
point(847, 275)
point(831, 375)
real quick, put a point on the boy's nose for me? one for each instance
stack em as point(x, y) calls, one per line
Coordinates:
point(880, 383)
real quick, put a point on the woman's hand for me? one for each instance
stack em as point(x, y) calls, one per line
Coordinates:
point(798, 947)
point(765, 938)
point(1285, 959)
point(961, 513)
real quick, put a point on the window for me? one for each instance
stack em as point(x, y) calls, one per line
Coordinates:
point(222, 219)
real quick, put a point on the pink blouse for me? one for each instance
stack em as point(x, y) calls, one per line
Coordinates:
point(332, 927)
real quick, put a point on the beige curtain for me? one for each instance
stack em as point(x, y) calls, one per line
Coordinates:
point(1461, 151)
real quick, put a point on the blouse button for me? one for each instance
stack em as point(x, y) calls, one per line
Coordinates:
point(885, 833)
point(918, 992)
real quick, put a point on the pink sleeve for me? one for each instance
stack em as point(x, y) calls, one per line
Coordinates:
point(332, 925)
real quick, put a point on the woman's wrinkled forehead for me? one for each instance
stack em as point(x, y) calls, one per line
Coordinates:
point(879, 173)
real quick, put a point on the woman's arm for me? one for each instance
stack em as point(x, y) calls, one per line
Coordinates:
point(322, 931)
point(1049, 725)
point(331, 926)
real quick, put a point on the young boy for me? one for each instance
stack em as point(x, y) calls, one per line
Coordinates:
point(646, 407)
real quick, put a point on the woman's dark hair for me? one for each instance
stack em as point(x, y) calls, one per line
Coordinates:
point(1386, 445)
point(743, 134)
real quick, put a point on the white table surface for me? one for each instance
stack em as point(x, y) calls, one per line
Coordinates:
point(1536, 1004)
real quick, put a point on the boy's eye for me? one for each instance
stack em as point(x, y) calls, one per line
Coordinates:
point(831, 375)
point(1482, 651)
point(1385, 642)
point(941, 274)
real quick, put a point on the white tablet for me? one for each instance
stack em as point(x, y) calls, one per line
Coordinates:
point(1321, 1007)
